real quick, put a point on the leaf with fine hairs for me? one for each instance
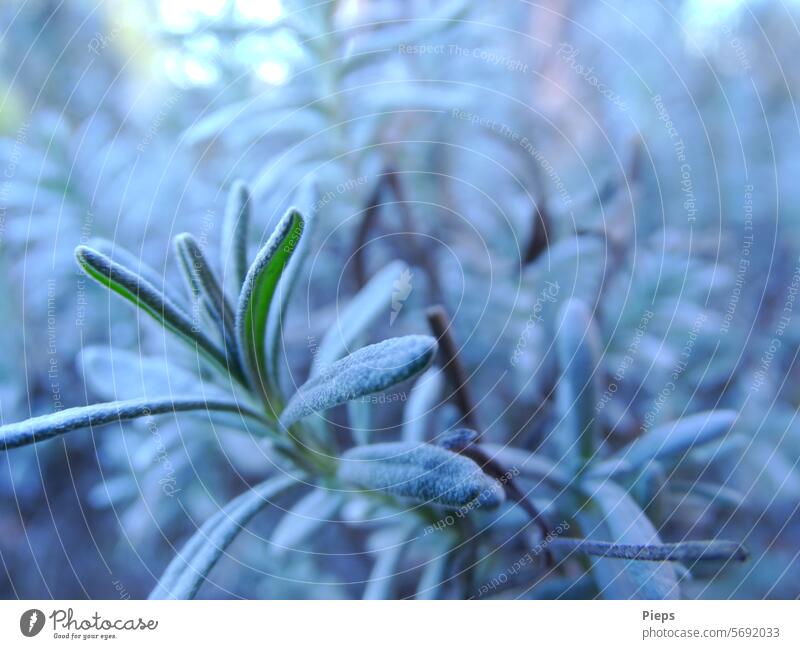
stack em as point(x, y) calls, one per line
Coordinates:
point(611, 515)
point(257, 293)
point(234, 236)
point(307, 199)
point(366, 371)
point(205, 288)
point(38, 429)
point(147, 297)
point(675, 438)
point(370, 303)
point(422, 472)
point(686, 551)
point(190, 567)
point(132, 262)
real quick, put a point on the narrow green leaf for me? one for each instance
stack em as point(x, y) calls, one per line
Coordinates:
point(579, 352)
point(234, 235)
point(190, 567)
point(286, 287)
point(371, 302)
point(366, 371)
point(144, 295)
point(132, 262)
point(613, 516)
point(205, 287)
point(675, 438)
point(422, 472)
point(257, 293)
point(37, 429)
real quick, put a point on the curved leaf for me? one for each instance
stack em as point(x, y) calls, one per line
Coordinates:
point(37, 429)
point(234, 235)
point(372, 301)
point(205, 287)
point(285, 289)
point(671, 439)
point(423, 472)
point(133, 262)
point(143, 294)
point(257, 293)
point(190, 567)
point(368, 370)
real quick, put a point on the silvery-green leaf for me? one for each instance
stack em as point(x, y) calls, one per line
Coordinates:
point(688, 551)
point(366, 371)
point(132, 262)
point(425, 396)
point(371, 302)
point(422, 472)
point(611, 515)
point(359, 414)
point(147, 297)
point(37, 429)
point(309, 514)
point(205, 289)
point(190, 567)
point(675, 438)
point(275, 322)
point(257, 293)
point(579, 349)
point(234, 236)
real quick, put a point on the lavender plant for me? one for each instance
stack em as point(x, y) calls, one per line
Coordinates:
point(236, 328)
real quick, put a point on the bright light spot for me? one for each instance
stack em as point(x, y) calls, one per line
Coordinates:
point(198, 72)
point(209, 7)
point(185, 70)
point(273, 72)
point(703, 18)
point(178, 15)
point(267, 11)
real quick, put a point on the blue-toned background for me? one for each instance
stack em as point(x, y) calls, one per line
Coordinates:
point(636, 154)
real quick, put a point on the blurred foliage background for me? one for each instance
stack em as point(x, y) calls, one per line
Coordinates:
point(637, 154)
